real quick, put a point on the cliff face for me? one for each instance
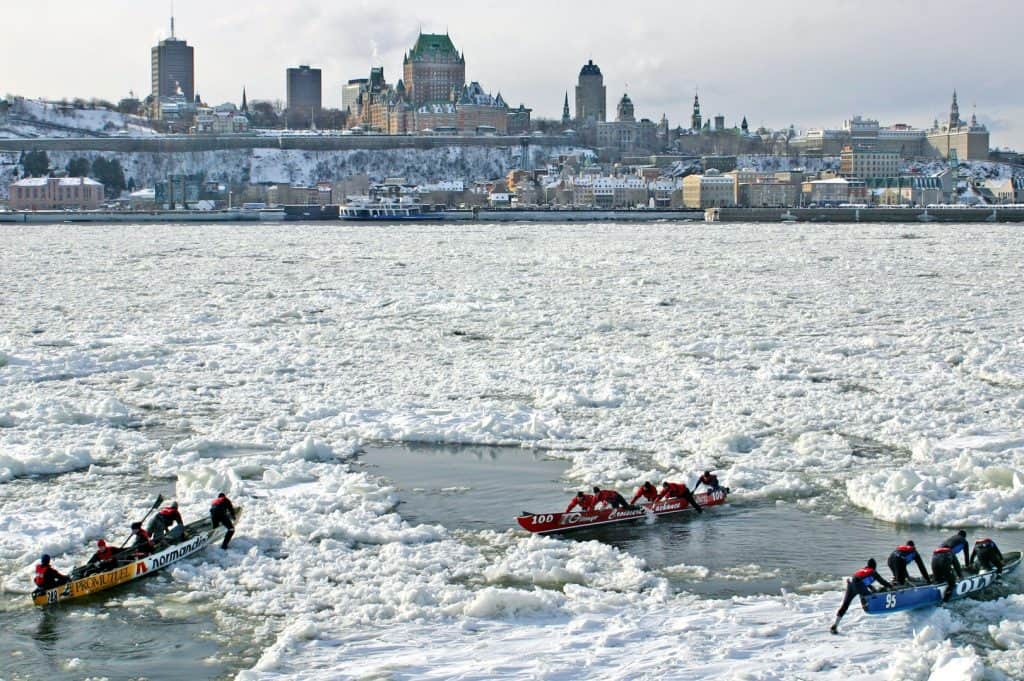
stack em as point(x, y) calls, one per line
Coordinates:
point(294, 166)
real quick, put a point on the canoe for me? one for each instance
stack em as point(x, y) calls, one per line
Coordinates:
point(918, 595)
point(548, 523)
point(87, 580)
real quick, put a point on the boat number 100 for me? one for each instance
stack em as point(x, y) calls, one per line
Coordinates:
point(541, 519)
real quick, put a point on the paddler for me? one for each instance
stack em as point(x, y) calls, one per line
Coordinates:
point(104, 559)
point(164, 520)
point(987, 556)
point(901, 558)
point(610, 497)
point(859, 585)
point(678, 490)
point(958, 543)
point(583, 500)
point(946, 568)
point(143, 543)
point(647, 491)
point(47, 577)
point(222, 512)
point(709, 480)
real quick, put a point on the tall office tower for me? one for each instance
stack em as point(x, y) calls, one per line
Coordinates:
point(591, 95)
point(305, 95)
point(173, 68)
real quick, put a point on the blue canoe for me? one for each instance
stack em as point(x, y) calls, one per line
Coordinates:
point(928, 595)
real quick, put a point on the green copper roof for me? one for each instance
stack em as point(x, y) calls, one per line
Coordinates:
point(431, 45)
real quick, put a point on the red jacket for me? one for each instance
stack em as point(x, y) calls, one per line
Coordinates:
point(46, 575)
point(171, 516)
point(605, 495)
point(649, 493)
point(586, 503)
point(674, 490)
point(142, 540)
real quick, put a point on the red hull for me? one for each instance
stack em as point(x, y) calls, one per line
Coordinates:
point(546, 523)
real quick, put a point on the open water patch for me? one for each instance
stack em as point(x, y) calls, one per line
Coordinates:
point(468, 487)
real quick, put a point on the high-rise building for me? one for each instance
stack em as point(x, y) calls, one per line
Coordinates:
point(591, 95)
point(350, 93)
point(304, 95)
point(173, 68)
point(434, 70)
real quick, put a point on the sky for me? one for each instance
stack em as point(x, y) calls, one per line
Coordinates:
point(781, 62)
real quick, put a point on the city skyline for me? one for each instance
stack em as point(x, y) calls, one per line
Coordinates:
point(812, 66)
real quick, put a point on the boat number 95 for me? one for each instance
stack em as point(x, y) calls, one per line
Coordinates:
point(890, 601)
point(541, 519)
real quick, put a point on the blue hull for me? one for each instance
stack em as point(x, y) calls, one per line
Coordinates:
point(930, 595)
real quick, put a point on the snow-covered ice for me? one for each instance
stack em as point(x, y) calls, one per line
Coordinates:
point(844, 366)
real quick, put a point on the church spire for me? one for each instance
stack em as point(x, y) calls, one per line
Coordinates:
point(696, 120)
point(566, 118)
point(245, 102)
point(954, 113)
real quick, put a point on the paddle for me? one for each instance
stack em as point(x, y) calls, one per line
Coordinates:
point(159, 500)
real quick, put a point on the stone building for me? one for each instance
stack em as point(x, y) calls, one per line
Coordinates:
point(519, 120)
point(865, 163)
point(625, 134)
point(433, 69)
point(56, 193)
point(710, 190)
point(591, 95)
point(433, 97)
point(956, 140)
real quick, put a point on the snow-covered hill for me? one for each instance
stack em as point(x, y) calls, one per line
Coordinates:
point(29, 118)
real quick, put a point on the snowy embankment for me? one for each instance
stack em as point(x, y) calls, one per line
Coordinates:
point(832, 368)
point(265, 166)
point(34, 118)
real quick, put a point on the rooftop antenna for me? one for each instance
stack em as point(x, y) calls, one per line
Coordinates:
point(172, 19)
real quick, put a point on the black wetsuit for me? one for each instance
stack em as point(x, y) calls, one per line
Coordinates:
point(860, 585)
point(987, 555)
point(900, 559)
point(956, 544)
point(222, 512)
point(946, 568)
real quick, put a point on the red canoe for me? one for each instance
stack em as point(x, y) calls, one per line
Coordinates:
point(547, 523)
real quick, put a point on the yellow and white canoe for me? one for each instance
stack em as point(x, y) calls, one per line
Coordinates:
point(197, 536)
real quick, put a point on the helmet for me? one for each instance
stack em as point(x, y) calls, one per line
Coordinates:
point(174, 504)
point(596, 488)
point(222, 496)
point(962, 533)
point(580, 494)
point(872, 563)
point(101, 544)
point(136, 525)
point(44, 559)
point(707, 472)
point(910, 542)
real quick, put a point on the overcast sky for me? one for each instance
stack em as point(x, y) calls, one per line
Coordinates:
point(777, 62)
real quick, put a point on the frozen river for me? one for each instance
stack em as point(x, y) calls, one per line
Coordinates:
point(854, 385)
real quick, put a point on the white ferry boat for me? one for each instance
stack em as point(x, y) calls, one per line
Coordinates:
point(365, 209)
